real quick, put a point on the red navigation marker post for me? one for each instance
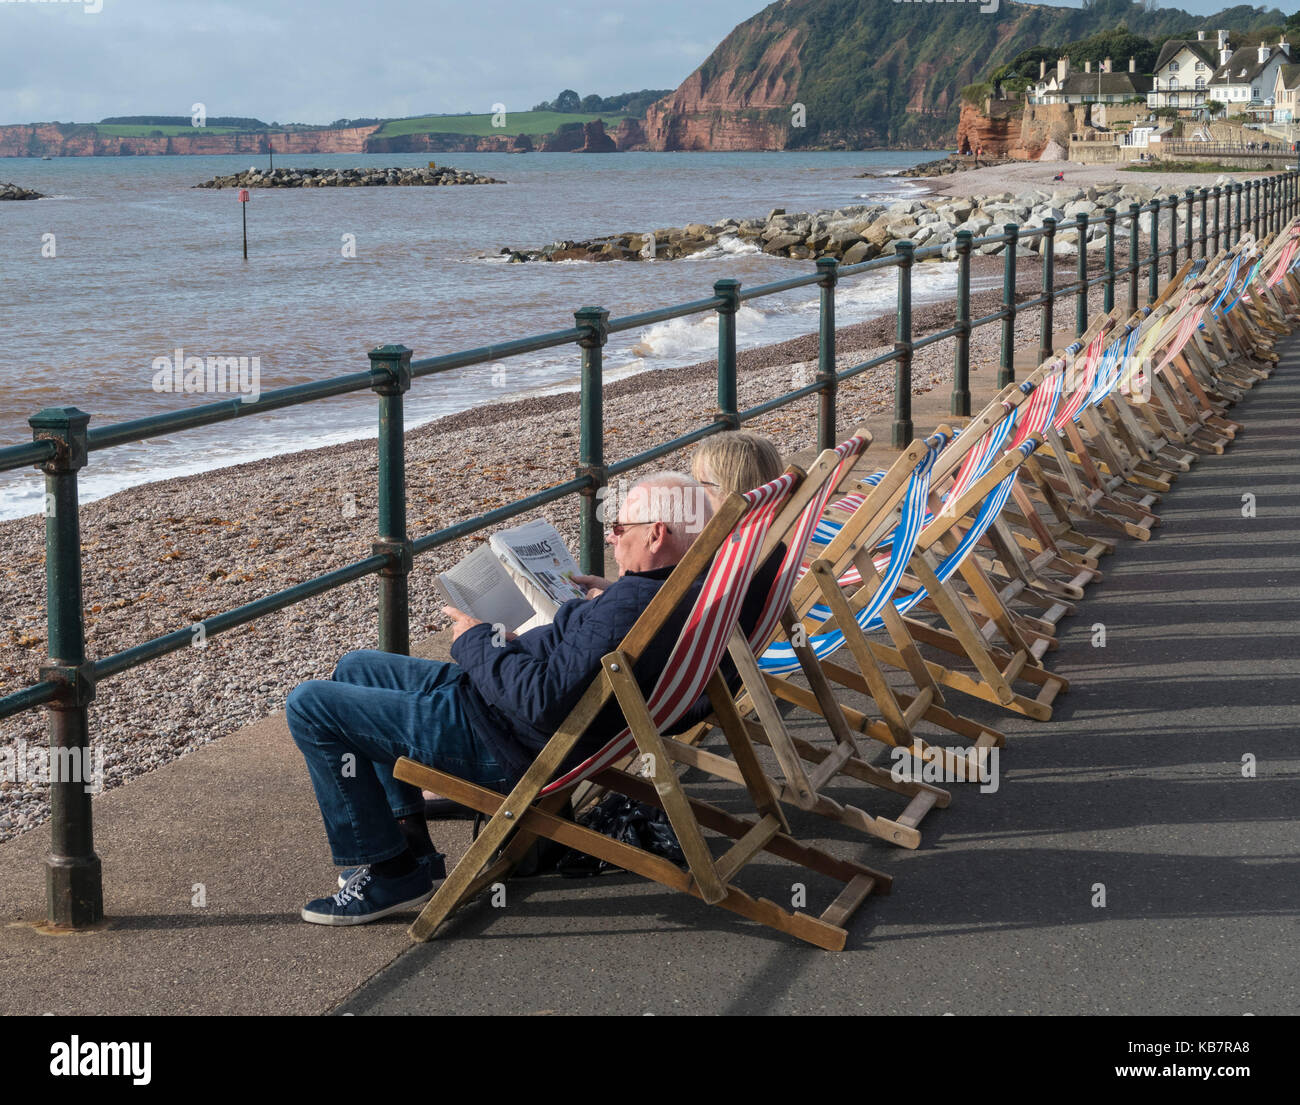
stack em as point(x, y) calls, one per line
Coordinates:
point(243, 206)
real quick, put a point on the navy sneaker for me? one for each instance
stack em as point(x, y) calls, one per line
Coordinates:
point(436, 862)
point(368, 897)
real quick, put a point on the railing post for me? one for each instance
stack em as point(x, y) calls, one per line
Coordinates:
point(390, 371)
point(74, 893)
point(1258, 225)
point(1204, 235)
point(1236, 211)
point(1048, 254)
point(729, 290)
point(1081, 274)
point(828, 267)
point(1218, 219)
point(1190, 195)
point(1173, 235)
point(902, 430)
point(1108, 289)
point(594, 322)
point(1134, 210)
point(1275, 207)
point(1153, 273)
point(1007, 359)
point(960, 403)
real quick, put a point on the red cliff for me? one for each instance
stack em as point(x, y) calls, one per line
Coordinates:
point(727, 105)
point(56, 140)
point(996, 133)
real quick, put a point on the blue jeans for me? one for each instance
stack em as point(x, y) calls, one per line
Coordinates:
point(353, 727)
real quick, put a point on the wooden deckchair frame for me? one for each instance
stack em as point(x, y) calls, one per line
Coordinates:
point(805, 768)
point(517, 819)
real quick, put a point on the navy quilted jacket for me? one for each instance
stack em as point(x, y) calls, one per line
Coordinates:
point(517, 694)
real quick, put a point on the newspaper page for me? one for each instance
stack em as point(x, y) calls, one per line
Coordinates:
point(481, 586)
point(540, 563)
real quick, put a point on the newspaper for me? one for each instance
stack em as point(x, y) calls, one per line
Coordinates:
point(539, 561)
point(519, 579)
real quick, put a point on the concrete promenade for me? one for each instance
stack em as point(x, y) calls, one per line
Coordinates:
point(1134, 790)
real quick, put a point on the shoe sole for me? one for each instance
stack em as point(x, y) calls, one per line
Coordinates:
point(344, 919)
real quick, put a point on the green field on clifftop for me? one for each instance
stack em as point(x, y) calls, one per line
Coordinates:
point(480, 126)
point(126, 130)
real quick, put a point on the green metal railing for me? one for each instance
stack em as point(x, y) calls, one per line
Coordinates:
point(62, 443)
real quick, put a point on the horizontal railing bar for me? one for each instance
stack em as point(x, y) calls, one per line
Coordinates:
point(20, 456)
point(426, 366)
point(664, 314)
point(780, 286)
point(997, 316)
point(941, 335)
point(219, 623)
point(36, 695)
point(781, 400)
point(667, 447)
point(854, 370)
point(500, 514)
point(874, 265)
point(138, 429)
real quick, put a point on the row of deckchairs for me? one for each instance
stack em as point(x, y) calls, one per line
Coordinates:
point(941, 576)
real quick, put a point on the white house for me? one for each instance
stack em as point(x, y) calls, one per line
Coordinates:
point(1100, 86)
point(1184, 69)
point(1248, 77)
point(1286, 94)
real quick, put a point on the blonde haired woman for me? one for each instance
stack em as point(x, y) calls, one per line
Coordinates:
point(734, 461)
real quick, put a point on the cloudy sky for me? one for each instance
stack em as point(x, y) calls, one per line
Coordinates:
point(319, 61)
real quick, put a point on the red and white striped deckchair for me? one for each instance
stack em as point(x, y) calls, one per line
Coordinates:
point(805, 768)
point(729, 548)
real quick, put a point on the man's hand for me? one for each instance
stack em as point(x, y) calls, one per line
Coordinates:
point(460, 621)
point(594, 584)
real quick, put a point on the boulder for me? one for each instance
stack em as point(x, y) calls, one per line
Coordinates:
point(781, 243)
point(860, 251)
point(878, 232)
point(958, 211)
point(977, 224)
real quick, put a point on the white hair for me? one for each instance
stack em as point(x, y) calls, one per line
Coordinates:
point(673, 498)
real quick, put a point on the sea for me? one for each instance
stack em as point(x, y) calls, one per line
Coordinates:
point(127, 267)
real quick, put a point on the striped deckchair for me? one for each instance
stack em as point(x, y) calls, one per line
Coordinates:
point(1077, 471)
point(980, 471)
point(729, 548)
point(805, 769)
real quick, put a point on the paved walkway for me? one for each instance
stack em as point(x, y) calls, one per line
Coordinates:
point(1136, 786)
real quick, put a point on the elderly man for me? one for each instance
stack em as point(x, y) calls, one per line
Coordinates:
point(483, 718)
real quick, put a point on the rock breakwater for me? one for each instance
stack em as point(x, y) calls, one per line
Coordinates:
point(866, 231)
point(347, 178)
point(13, 192)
